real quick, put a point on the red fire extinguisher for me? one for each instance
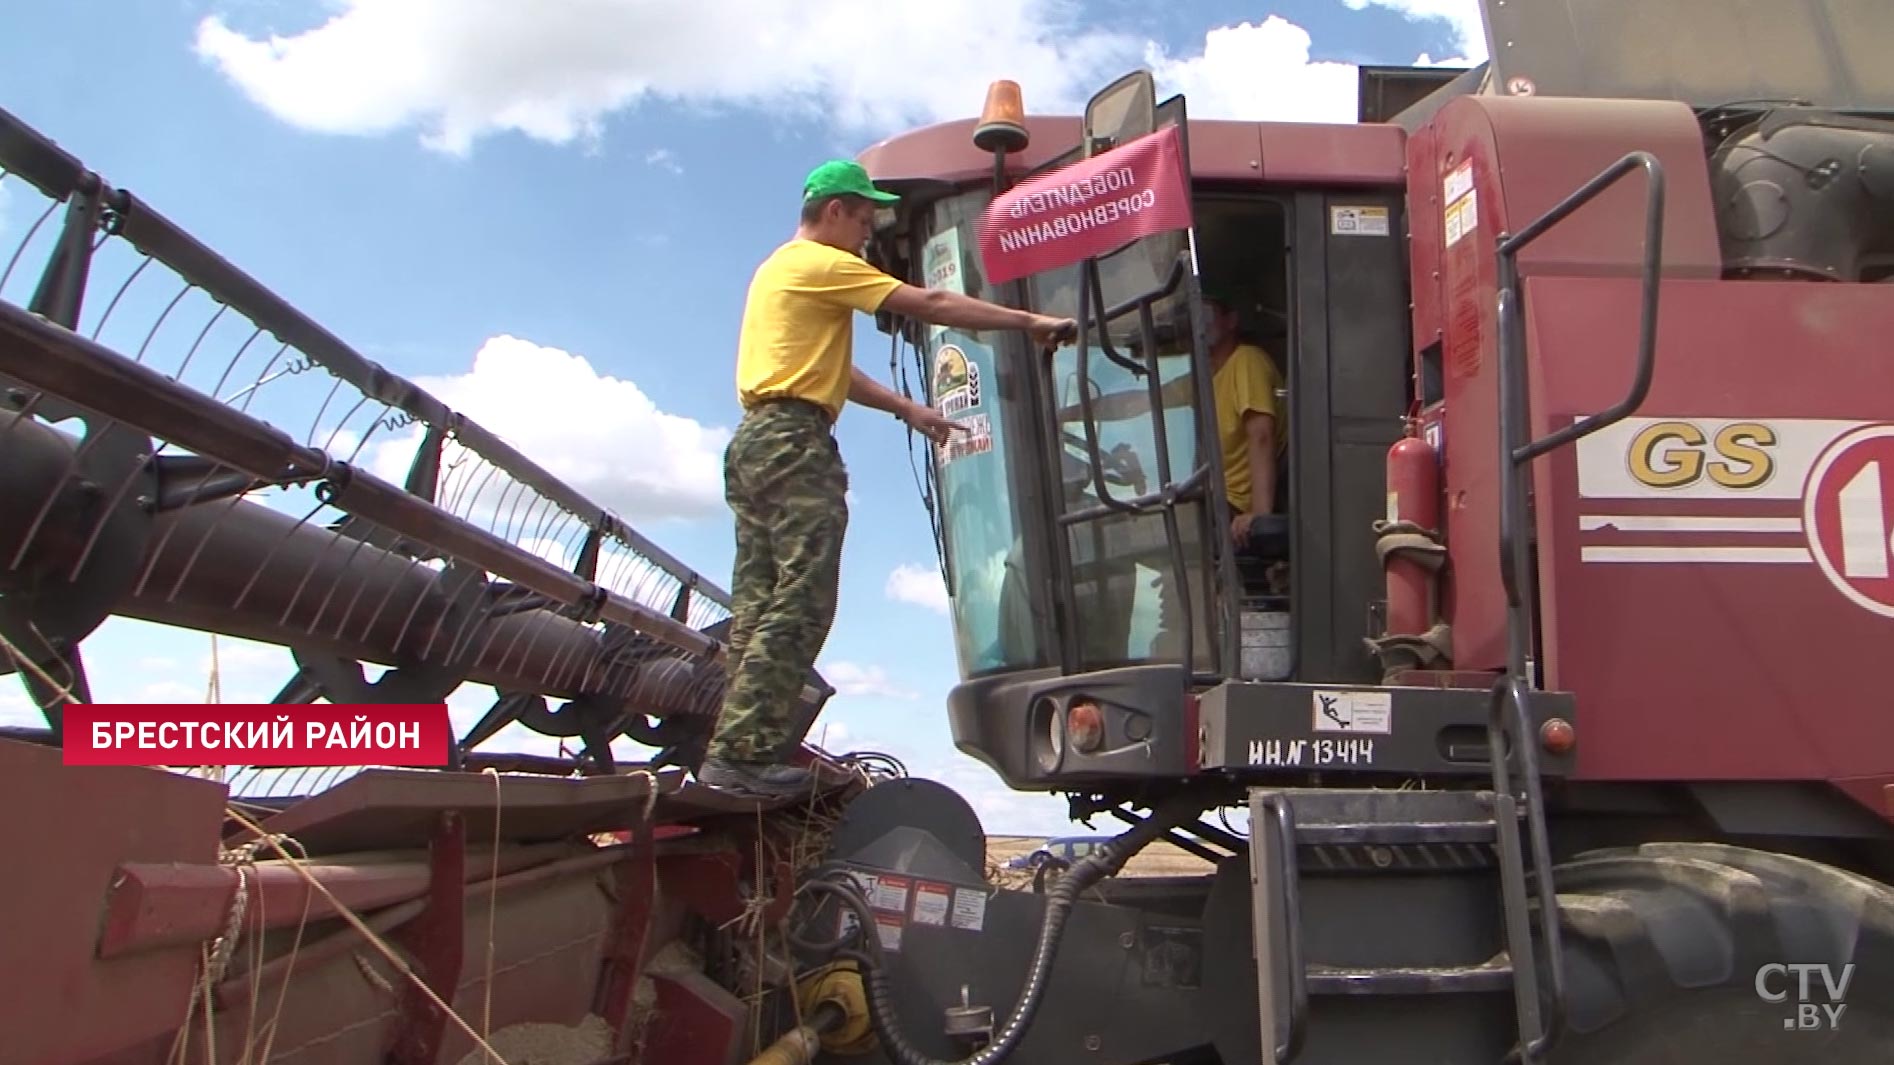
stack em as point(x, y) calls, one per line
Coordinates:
point(1410, 547)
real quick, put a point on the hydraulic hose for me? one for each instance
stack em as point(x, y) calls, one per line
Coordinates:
point(799, 1045)
point(1101, 863)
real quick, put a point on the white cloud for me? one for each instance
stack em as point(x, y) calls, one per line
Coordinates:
point(1469, 26)
point(458, 70)
point(600, 434)
point(664, 159)
point(1260, 72)
point(850, 678)
point(461, 69)
point(920, 585)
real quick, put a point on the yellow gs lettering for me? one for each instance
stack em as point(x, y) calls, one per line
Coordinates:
point(1677, 454)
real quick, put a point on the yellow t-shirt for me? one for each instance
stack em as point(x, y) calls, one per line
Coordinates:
point(798, 323)
point(1246, 382)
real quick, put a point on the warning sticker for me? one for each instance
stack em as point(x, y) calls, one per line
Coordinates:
point(889, 928)
point(1457, 184)
point(890, 893)
point(1358, 221)
point(970, 909)
point(1357, 712)
point(931, 903)
point(1462, 213)
point(1463, 218)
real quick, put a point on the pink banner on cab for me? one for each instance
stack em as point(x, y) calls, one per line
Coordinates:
point(1090, 208)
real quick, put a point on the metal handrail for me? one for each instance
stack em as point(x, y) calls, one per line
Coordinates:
point(1512, 694)
point(1280, 814)
point(1509, 248)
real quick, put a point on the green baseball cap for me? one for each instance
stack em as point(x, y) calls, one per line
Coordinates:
point(843, 177)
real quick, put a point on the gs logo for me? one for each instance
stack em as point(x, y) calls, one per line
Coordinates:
point(1677, 454)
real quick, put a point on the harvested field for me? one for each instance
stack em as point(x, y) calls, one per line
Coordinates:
point(1158, 859)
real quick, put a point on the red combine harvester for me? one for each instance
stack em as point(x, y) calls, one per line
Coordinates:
point(1590, 463)
point(1545, 684)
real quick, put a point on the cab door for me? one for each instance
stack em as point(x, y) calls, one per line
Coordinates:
point(1129, 427)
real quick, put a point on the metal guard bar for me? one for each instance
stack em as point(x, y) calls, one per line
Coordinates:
point(48, 357)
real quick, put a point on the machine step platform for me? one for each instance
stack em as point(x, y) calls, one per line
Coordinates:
point(1495, 975)
point(1284, 823)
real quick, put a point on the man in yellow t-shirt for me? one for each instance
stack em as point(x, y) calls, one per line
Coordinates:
point(1251, 429)
point(783, 474)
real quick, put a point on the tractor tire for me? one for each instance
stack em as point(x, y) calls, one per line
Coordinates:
point(1666, 947)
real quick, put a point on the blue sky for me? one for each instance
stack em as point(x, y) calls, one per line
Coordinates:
point(580, 189)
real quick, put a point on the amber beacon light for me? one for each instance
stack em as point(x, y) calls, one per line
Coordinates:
point(1002, 125)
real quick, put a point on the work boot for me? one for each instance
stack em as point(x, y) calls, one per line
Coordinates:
point(761, 780)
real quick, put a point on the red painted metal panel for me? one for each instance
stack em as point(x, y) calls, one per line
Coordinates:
point(1423, 217)
point(557, 927)
point(1323, 154)
point(386, 809)
point(1226, 150)
point(1546, 148)
point(1277, 152)
point(1681, 601)
point(1499, 163)
point(69, 829)
point(695, 1022)
point(945, 151)
point(153, 905)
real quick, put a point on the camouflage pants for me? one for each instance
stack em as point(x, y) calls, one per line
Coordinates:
point(784, 479)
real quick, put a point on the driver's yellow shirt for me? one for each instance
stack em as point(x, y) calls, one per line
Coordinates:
point(1246, 382)
point(798, 323)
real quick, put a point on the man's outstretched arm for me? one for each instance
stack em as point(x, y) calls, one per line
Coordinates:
point(939, 306)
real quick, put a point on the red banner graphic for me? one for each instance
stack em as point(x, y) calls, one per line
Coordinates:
point(267, 734)
point(1090, 208)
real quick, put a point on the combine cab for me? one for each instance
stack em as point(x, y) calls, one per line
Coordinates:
point(1545, 682)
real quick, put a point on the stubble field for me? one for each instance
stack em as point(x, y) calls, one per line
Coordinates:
point(1158, 859)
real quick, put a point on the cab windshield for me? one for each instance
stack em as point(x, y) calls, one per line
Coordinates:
point(978, 511)
point(1126, 599)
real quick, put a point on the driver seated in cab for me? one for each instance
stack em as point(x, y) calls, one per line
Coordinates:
point(1251, 425)
point(1252, 429)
